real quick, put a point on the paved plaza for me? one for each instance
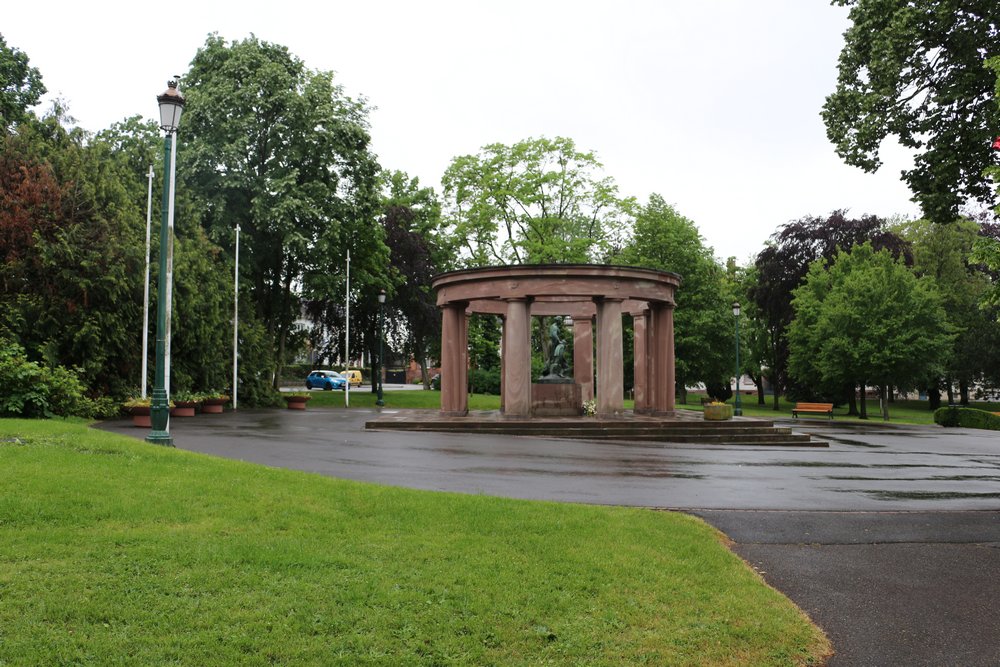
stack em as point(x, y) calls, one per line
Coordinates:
point(888, 539)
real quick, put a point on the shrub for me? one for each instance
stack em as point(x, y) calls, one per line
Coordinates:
point(967, 418)
point(484, 382)
point(28, 389)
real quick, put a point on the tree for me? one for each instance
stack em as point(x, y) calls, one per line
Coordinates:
point(703, 321)
point(784, 263)
point(538, 201)
point(412, 221)
point(866, 320)
point(942, 253)
point(20, 86)
point(914, 70)
point(281, 150)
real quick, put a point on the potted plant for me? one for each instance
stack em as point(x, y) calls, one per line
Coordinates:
point(212, 402)
point(185, 404)
point(716, 411)
point(296, 401)
point(139, 408)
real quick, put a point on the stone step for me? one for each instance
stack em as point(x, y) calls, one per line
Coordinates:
point(640, 432)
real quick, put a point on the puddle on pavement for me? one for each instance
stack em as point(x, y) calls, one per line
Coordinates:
point(922, 495)
point(587, 473)
point(935, 478)
point(853, 443)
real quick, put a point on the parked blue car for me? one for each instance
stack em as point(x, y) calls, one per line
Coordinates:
point(325, 380)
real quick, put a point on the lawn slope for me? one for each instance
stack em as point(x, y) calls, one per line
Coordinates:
point(113, 551)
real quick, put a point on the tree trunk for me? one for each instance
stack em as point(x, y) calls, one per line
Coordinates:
point(892, 394)
point(759, 381)
point(963, 391)
point(951, 392)
point(934, 396)
point(883, 393)
point(681, 392)
point(852, 402)
point(864, 402)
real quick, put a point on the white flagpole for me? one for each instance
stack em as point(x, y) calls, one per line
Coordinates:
point(236, 312)
point(145, 293)
point(347, 334)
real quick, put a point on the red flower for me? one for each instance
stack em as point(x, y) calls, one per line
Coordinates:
point(996, 144)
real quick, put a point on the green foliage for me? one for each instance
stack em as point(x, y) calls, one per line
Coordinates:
point(281, 150)
point(29, 389)
point(866, 320)
point(967, 418)
point(704, 330)
point(915, 70)
point(483, 381)
point(20, 86)
point(538, 201)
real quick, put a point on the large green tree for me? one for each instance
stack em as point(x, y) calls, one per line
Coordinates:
point(703, 321)
point(942, 253)
point(21, 86)
point(782, 266)
point(282, 151)
point(913, 69)
point(537, 201)
point(866, 320)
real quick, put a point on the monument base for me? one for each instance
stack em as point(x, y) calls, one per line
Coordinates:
point(556, 399)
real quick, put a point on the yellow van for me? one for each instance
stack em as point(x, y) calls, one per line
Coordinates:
point(354, 377)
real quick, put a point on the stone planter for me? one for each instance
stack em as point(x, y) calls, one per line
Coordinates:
point(184, 408)
point(296, 402)
point(213, 406)
point(718, 412)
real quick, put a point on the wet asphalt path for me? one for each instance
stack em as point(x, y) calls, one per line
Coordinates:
point(888, 539)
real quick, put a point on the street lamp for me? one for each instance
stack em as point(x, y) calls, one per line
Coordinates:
point(736, 314)
point(171, 105)
point(381, 323)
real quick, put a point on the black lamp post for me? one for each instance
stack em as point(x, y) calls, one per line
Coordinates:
point(736, 314)
point(381, 322)
point(171, 105)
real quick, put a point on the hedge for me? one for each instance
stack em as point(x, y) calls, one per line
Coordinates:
point(967, 418)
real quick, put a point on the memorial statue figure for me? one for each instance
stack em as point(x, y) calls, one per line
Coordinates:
point(557, 360)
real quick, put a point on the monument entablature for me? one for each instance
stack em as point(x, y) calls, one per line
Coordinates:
point(592, 296)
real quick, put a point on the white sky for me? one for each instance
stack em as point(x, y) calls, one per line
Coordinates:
point(714, 104)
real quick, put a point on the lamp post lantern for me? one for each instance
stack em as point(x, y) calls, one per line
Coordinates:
point(381, 322)
point(171, 106)
point(738, 410)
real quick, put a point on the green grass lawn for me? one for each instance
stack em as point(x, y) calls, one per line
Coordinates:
point(901, 412)
point(402, 398)
point(113, 551)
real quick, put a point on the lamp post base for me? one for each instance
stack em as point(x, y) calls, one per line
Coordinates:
point(160, 438)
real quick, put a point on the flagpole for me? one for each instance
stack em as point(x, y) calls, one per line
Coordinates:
point(236, 312)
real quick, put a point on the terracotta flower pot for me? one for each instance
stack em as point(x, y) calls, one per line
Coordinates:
point(213, 406)
point(296, 402)
point(718, 412)
point(183, 408)
point(140, 416)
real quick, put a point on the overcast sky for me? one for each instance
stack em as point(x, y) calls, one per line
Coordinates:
point(714, 104)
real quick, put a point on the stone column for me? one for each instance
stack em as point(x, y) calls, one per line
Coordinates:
point(583, 356)
point(670, 377)
point(503, 358)
point(640, 355)
point(454, 361)
point(610, 374)
point(517, 366)
point(662, 358)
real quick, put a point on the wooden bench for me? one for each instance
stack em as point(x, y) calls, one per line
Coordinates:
point(813, 408)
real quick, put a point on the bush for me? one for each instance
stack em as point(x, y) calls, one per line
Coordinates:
point(484, 382)
point(967, 418)
point(28, 389)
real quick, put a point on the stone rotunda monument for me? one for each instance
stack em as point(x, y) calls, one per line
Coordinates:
point(594, 297)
